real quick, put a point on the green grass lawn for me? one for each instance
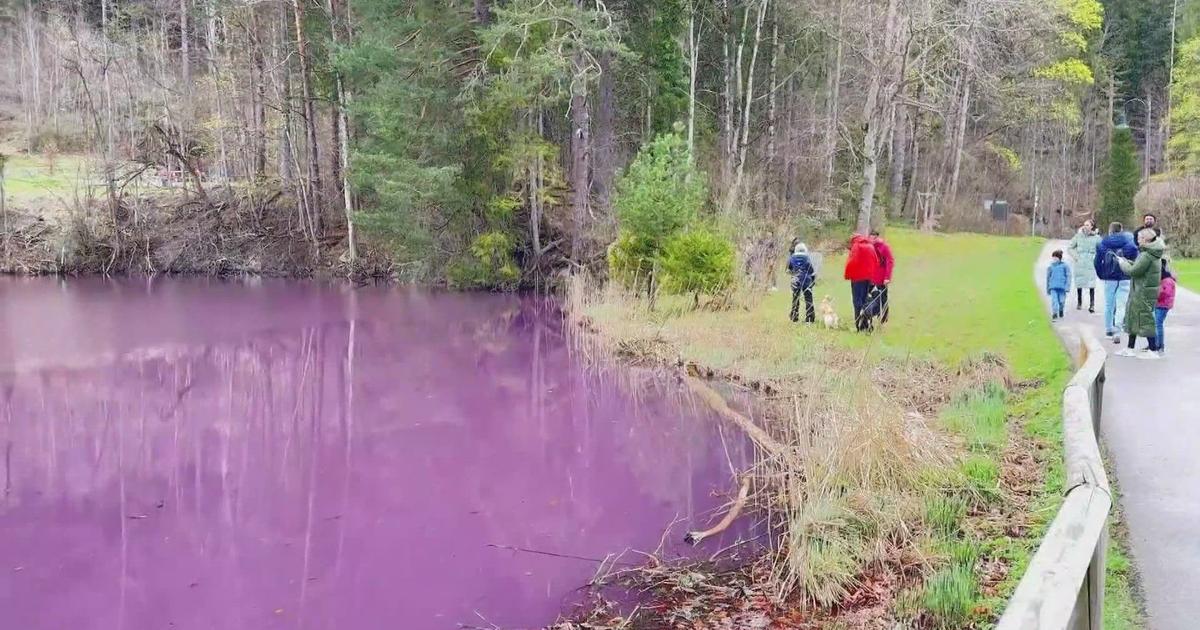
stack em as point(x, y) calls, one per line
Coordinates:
point(1187, 271)
point(30, 177)
point(954, 297)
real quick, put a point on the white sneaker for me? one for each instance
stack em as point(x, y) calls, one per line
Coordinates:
point(1126, 352)
point(1149, 355)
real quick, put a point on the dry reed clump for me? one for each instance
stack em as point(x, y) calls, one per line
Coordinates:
point(850, 486)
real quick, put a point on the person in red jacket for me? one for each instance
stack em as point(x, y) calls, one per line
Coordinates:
point(883, 274)
point(862, 265)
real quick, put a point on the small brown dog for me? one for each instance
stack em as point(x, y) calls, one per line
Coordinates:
point(829, 317)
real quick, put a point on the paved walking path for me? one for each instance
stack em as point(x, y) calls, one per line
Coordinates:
point(1151, 426)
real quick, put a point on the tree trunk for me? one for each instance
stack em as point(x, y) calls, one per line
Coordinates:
point(834, 108)
point(876, 110)
point(535, 192)
point(747, 99)
point(258, 100)
point(581, 155)
point(1148, 149)
point(341, 140)
point(899, 153)
point(960, 137)
point(310, 119)
point(605, 167)
point(483, 13)
point(185, 55)
point(1170, 82)
point(726, 129)
point(214, 71)
point(772, 100)
point(32, 42)
point(693, 62)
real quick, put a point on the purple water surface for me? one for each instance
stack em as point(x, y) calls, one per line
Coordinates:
point(201, 454)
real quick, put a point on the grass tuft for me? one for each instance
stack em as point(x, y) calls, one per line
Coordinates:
point(950, 596)
point(943, 514)
point(981, 418)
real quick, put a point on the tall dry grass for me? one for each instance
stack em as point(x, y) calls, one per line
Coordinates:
point(851, 485)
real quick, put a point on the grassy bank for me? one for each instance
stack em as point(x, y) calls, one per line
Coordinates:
point(968, 353)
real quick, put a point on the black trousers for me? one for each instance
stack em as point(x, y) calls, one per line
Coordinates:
point(1091, 297)
point(860, 291)
point(810, 312)
point(881, 294)
point(1151, 341)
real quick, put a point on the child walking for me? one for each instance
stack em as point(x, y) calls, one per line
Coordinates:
point(804, 277)
point(1058, 282)
point(1166, 302)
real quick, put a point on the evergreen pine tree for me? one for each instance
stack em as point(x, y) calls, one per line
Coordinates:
point(1121, 180)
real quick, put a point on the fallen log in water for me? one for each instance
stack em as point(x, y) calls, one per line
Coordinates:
point(717, 403)
point(694, 538)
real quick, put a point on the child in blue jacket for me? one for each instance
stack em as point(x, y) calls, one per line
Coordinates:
point(1058, 282)
point(804, 277)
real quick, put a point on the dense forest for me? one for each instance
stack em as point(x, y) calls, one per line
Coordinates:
point(486, 142)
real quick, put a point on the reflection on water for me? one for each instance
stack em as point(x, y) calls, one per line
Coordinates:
point(198, 454)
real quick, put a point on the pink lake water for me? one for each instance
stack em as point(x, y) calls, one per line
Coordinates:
point(201, 454)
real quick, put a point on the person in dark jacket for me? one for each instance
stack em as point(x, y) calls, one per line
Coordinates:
point(883, 275)
point(804, 277)
point(862, 265)
point(1149, 222)
point(1118, 244)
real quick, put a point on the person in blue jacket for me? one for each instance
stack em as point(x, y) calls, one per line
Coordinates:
point(1118, 243)
point(804, 277)
point(1058, 282)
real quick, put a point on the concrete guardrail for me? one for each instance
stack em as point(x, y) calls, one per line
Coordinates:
point(1063, 588)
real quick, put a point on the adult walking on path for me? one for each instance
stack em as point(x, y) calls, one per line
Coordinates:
point(883, 274)
point(1148, 426)
point(1083, 263)
point(1145, 276)
point(862, 266)
point(1118, 244)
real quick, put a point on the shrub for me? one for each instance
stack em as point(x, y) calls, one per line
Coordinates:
point(490, 266)
point(631, 259)
point(697, 261)
point(658, 196)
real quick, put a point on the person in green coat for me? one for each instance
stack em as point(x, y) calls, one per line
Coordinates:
point(1083, 255)
point(1145, 276)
